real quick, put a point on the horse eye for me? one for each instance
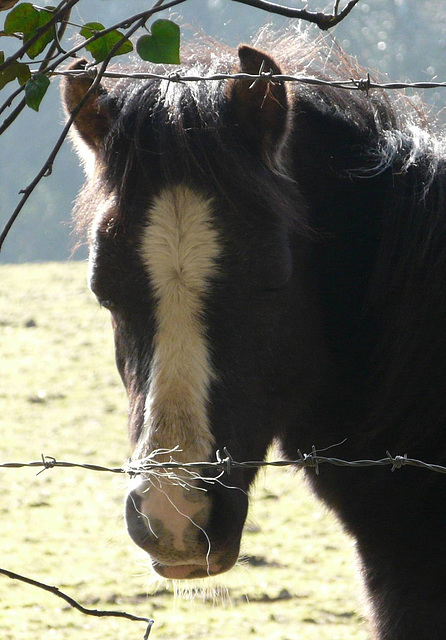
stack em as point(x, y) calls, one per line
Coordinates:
point(107, 304)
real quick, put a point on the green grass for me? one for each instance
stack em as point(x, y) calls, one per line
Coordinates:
point(60, 395)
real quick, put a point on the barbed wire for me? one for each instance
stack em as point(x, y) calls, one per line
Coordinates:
point(225, 463)
point(362, 84)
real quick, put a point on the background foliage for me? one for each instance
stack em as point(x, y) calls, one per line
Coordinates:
point(405, 39)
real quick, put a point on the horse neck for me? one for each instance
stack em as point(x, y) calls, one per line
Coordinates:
point(345, 211)
point(380, 270)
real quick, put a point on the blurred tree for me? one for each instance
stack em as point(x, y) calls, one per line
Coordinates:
point(403, 39)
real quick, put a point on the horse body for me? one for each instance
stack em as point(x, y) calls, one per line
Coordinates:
point(274, 264)
point(380, 276)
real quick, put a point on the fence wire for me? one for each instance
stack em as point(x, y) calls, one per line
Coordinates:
point(226, 463)
point(223, 464)
point(362, 84)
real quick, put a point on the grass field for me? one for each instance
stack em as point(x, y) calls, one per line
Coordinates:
point(61, 396)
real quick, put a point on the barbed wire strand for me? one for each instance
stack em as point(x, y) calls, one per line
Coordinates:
point(362, 84)
point(353, 84)
point(99, 613)
point(223, 463)
point(226, 463)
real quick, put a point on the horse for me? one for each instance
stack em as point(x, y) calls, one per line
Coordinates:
point(273, 258)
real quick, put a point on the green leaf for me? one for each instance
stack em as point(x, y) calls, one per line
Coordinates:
point(35, 89)
point(101, 47)
point(2, 57)
point(91, 28)
point(26, 19)
point(23, 72)
point(22, 19)
point(16, 70)
point(46, 38)
point(162, 45)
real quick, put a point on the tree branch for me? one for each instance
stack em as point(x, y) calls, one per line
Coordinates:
point(47, 167)
point(323, 20)
point(73, 603)
point(43, 67)
point(14, 114)
point(8, 102)
point(63, 7)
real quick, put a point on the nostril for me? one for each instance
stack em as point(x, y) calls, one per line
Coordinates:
point(229, 509)
point(136, 521)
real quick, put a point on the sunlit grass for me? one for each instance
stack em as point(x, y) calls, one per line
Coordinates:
point(60, 395)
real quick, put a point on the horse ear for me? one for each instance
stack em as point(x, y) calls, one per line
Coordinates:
point(92, 123)
point(260, 106)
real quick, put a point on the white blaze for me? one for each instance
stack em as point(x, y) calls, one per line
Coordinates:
point(179, 248)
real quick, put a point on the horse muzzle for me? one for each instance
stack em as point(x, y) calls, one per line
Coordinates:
point(189, 530)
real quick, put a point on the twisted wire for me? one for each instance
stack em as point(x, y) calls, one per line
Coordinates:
point(361, 84)
point(225, 463)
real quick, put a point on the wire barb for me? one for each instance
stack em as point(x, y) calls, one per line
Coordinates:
point(48, 462)
point(310, 460)
point(259, 76)
point(363, 84)
point(397, 461)
point(225, 463)
point(175, 76)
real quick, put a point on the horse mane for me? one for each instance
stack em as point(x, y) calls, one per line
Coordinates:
point(392, 132)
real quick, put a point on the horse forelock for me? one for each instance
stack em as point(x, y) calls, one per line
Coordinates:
point(167, 132)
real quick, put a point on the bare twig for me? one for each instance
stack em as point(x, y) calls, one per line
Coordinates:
point(125, 24)
point(14, 114)
point(323, 20)
point(61, 9)
point(73, 603)
point(46, 169)
point(8, 102)
point(43, 67)
point(139, 21)
point(59, 34)
point(145, 15)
